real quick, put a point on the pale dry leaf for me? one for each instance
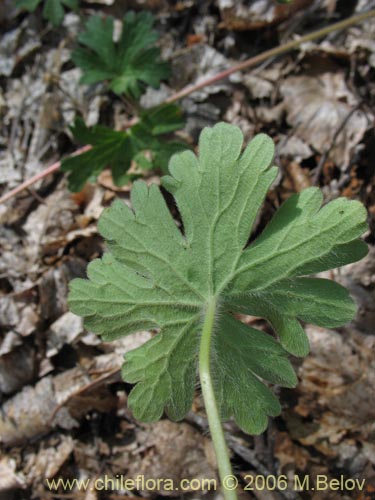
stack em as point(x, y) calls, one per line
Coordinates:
point(259, 87)
point(244, 15)
point(48, 460)
point(359, 278)
point(65, 330)
point(9, 479)
point(56, 401)
point(337, 379)
point(322, 111)
point(293, 147)
point(198, 63)
point(175, 451)
point(17, 368)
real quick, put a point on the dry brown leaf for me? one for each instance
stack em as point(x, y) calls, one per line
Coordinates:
point(241, 15)
point(57, 401)
point(49, 459)
point(337, 379)
point(323, 112)
point(17, 368)
point(197, 63)
point(289, 453)
point(171, 450)
point(359, 278)
point(65, 330)
point(9, 479)
point(299, 176)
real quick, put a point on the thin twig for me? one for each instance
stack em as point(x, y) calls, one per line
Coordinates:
point(324, 157)
point(50, 170)
point(286, 47)
point(189, 89)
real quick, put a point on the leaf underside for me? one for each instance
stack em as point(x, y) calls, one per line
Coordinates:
point(155, 276)
point(130, 64)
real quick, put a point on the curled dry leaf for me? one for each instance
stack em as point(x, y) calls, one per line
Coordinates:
point(17, 368)
point(9, 479)
point(53, 286)
point(358, 39)
point(359, 278)
point(337, 379)
point(323, 112)
point(293, 148)
point(298, 176)
point(57, 401)
point(289, 454)
point(198, 63)
point(49, 459)
point(171, 450)
point(257, 14)
point(65, 330)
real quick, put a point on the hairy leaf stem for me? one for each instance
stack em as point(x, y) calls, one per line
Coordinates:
point(222, 455)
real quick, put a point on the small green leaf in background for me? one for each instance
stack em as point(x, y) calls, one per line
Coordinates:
point(156, 277)
point(130, 64)
point(142, 144)
point(53, 10)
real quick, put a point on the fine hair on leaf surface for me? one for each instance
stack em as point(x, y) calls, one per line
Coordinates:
point(153, 276)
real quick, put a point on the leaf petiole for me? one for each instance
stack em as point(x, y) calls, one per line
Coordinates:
point(214, 421)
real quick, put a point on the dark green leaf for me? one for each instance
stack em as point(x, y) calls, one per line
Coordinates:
point(129, 64)
point(29, 5)
point(141, 144)
point(53, 10)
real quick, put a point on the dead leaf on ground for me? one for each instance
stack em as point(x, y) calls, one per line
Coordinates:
point(57, 401)
point(337, 379)
point(257, 14)
point(359, 278)
point(197, 63)
point(17, 368)
point(9, 479)
point(323, 112)
point(171, 450)
point(48, 460)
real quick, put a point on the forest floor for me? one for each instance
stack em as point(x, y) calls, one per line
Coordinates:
point(64, 411)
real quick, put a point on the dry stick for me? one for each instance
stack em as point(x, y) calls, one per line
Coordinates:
point(50, 170)
point(189, 89)
point(286, 47)
point(324, 156)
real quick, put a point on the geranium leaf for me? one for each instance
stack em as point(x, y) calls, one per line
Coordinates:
point(118, 150)
point(53, 10)
point(157, 277)
point(129, 64)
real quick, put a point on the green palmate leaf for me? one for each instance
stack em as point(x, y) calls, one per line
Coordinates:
point(155, 276)
point(129, 64)
point(142, 145)
point(53, 10)
point(29, 5)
